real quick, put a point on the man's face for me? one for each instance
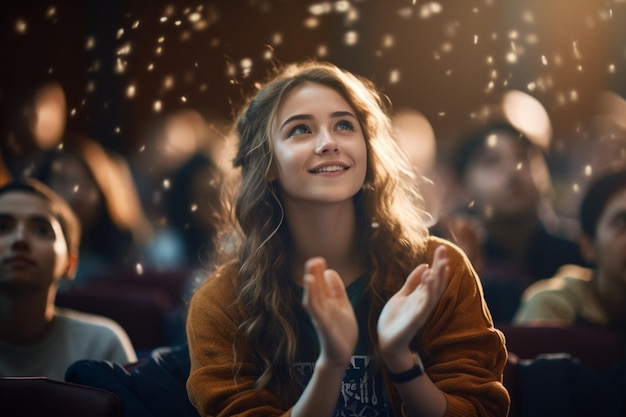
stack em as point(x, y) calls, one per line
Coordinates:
point(609, 244)
point(499, 178)
point(33, 250)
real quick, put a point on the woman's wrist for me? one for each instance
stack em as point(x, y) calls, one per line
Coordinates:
point(408, 375)
point(399, 362)
point(408, 371)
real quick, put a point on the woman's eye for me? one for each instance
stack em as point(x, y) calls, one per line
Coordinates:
point(345, 125)
point(299, 130)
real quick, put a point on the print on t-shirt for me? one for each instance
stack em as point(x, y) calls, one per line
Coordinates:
point(363, 392)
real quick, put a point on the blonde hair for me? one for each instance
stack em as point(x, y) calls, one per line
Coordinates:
point(389, 207)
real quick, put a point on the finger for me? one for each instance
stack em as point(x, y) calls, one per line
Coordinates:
point(315, 266)
point(414, 279)
point(335, 287)
point(313, 278)
point(441, 253)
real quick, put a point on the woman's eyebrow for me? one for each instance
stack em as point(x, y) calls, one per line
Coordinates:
point(296, 117)
point(342, 114)
point(335, 114)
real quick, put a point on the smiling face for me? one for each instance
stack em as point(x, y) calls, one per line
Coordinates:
point(318, 146)
point(33, 249)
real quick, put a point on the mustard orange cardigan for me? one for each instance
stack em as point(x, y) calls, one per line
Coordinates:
point(463, 354)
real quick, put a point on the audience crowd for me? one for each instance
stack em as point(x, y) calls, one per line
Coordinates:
point(155, 224)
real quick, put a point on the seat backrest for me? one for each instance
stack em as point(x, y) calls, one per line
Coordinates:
point(41, 396)
point(595, 347)
point(143, 313)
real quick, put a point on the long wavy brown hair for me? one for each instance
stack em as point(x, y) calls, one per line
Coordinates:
point(390, 216)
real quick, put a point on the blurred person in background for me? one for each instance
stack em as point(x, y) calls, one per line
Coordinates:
point(503, 182)
point(196, 212)
point(99, 187)
point(39, 247)
point(34, 121)
point(596, 295)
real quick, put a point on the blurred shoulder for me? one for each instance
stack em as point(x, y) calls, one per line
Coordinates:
point(71, 317)
point(455, 253)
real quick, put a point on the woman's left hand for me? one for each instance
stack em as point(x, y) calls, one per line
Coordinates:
point(407, 311)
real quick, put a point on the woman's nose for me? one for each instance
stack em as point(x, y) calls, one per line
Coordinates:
point(326, 143)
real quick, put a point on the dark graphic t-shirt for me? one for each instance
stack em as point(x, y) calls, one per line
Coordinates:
point(363, 393)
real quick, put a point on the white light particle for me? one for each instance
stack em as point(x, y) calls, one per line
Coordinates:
point(90, 43)
point(351, 38)
point(394, 76)
point(277, 38)
point(511, 58)
point(388, 41)
point(575, 48)
point(21, 26)
point(139, 269)
point(131, 90)
point(311, 22)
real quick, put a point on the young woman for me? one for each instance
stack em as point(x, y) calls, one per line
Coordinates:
point(338, 302)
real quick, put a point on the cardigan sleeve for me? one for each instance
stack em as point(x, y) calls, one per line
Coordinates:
point(462, 352)
point(212, 385)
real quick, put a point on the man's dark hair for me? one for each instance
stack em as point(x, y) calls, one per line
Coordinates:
point(471, 143)
point(63, 212)
point(599, 192)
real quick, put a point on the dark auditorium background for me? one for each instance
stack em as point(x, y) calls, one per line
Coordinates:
point(445, 59)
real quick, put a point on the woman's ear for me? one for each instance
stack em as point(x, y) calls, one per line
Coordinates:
point(72, 265)
point(588, 251)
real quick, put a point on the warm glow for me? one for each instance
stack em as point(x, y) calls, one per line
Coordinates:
point(50, 110)
point(528, 115)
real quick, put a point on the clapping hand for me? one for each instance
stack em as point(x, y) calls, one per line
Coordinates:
point(327, 303)
point(407, 311)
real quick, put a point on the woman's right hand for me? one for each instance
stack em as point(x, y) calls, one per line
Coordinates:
point(326, 301)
